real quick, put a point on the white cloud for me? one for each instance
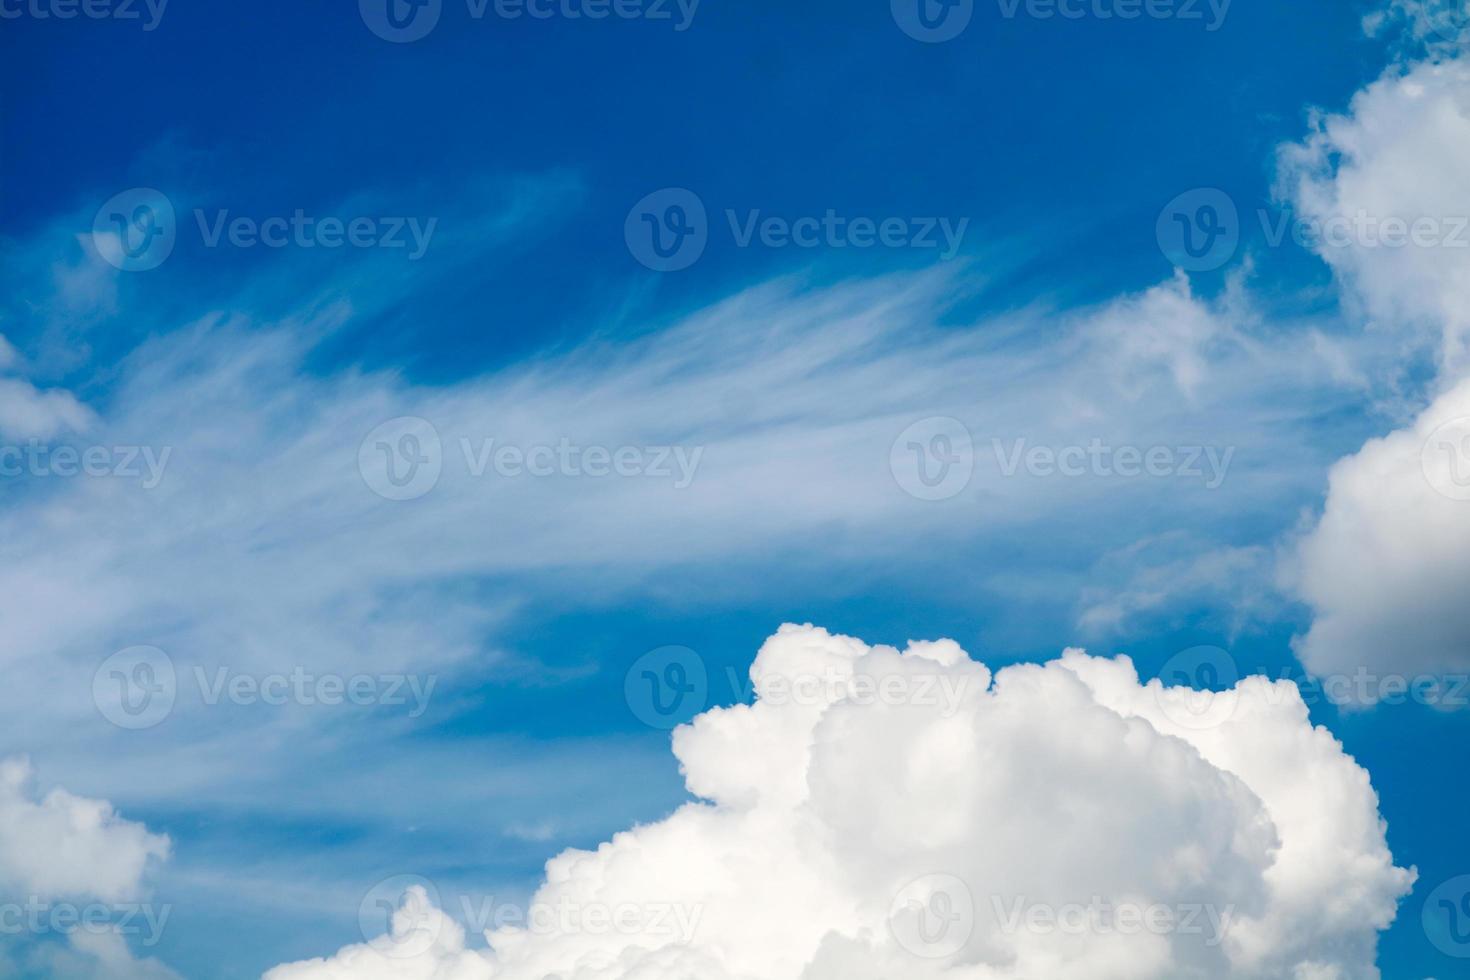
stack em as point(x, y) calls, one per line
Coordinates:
point(1396, 156)
point(1385, 568)
point(96, 955)
point(1063, 786)
point(263, 549)
point(62, 846)
point(27, 412)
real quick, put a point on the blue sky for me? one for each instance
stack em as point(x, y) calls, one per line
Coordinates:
point(526, 142)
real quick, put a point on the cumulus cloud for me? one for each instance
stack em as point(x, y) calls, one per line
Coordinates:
point(1386, 187)
point(1385, 568)
point(878, 813)
point(62, 846)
